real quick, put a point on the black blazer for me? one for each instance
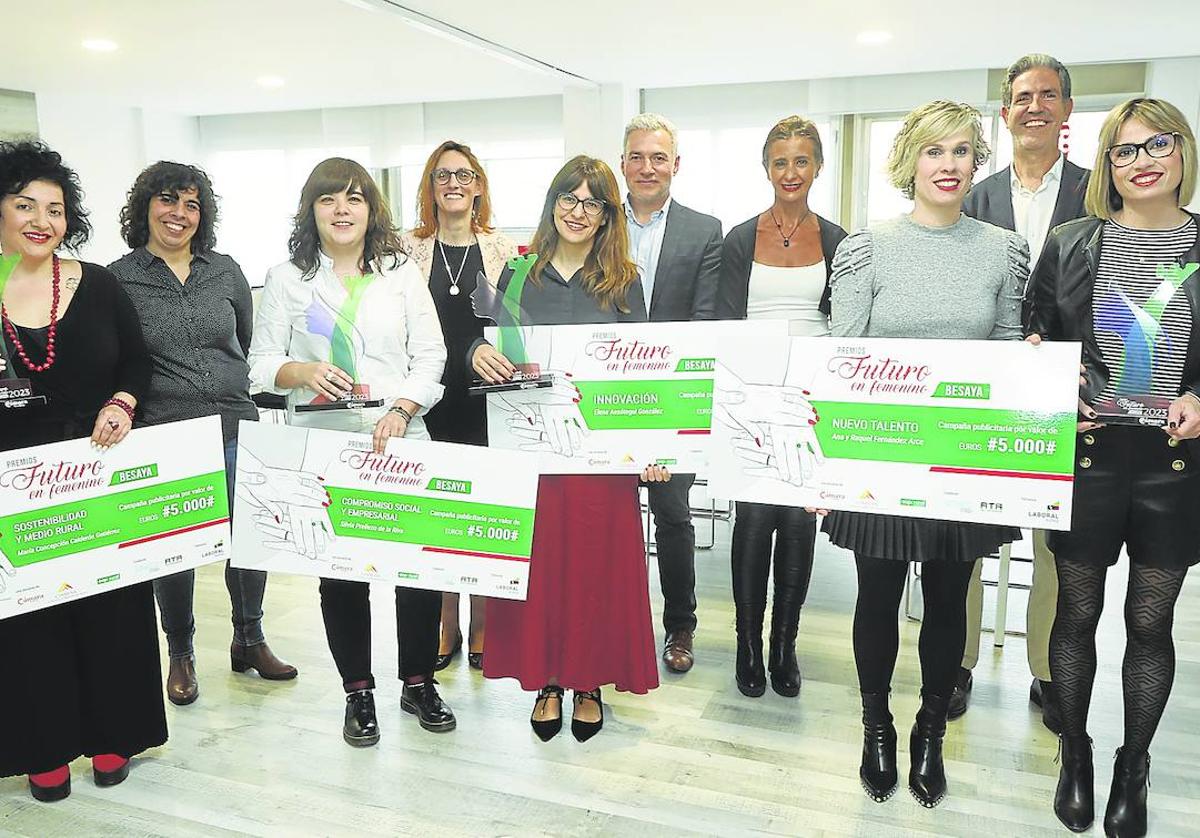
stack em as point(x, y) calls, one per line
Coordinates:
point(1059, 303)
point(991, 200)
point(689, 265)
point(737, 257)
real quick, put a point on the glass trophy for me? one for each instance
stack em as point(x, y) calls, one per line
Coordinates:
point(15, 393)
point(338, 323)
point(504, 309)
point(1139, 409)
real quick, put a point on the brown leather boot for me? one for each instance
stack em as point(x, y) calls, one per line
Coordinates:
point(182, 688)
point(260, 658)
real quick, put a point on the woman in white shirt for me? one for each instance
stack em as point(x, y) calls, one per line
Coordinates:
point(775, 266)
point(349, 316)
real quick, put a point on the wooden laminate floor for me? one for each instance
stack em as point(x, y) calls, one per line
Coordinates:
point(693, 757)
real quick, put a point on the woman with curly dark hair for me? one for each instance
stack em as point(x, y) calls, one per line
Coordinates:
point(349, 315)
point(79, 678)
point(195, 308)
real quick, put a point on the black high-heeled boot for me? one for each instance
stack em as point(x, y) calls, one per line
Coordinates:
point(878, 770)
point(1125, 816)
point(781, 657)
point(1075, 797)
point(750, 673)
point(927, 772)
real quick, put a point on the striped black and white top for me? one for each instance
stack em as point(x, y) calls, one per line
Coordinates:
point(1140, 309)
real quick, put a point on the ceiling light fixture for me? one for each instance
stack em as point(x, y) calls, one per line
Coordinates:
point(873, 37)
point(270, 81)
point(100, 45)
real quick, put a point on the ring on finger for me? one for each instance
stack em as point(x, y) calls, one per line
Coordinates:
point(112, 424)
point(329, 376)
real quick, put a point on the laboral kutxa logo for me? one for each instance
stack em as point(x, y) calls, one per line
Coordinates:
point(43, 480)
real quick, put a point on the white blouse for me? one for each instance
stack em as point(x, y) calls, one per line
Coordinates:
point(792, 294)
point(397, 341)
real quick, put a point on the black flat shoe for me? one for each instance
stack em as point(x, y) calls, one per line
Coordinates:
point(444, 660)
point(361, 729)
point(547, 729)
point(583, 731)
point(423, 701)
point(475, 660)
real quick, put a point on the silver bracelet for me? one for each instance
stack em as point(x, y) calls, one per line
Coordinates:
point(408, 417)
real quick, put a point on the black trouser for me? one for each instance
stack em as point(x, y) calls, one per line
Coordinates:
point(675, 541)
point(943, 626)
point(795, 533)
point(346, 609)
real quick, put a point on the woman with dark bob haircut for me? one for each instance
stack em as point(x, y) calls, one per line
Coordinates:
point(79, 678)
point(195, 307)
point(351, 313)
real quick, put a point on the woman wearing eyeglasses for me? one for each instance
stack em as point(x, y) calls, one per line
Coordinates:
point(586, 619)
point(1126, 283)
point(452, 244)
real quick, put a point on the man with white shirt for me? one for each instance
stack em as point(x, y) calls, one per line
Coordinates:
point(678, 253)
point(1039, 191)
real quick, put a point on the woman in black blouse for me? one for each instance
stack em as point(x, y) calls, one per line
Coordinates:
point(453, 243)
point(82, 677)
point(1126, 283)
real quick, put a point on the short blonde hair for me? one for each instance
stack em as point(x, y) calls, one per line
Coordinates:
point(926, 125)
point(794, 126)
point(651, 122)
point(1102, 198)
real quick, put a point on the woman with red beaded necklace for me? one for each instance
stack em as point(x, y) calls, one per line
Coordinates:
point(80, 678)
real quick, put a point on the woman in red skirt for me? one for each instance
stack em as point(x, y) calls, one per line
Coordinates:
point(586, 619)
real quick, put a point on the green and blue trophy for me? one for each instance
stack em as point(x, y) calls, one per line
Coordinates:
point(504, 309)
point(338, 323)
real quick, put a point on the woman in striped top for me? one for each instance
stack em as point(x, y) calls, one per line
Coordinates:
point(1126, 283)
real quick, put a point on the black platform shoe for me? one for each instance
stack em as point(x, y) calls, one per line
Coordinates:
point(1075, 797)
point(878, 770)
point(423, 701)
point(361, 728)
point(547, 729)
point(781, 661)
point(927, 772)
point(1125, 816)
point(749, 670)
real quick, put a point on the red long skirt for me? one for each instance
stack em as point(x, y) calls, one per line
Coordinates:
point(586, 622)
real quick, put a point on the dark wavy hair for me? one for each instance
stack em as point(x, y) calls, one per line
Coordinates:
point(381, 249)
point(172, 178)
point(24, 161)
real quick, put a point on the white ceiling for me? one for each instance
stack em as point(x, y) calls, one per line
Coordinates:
point(203, 56)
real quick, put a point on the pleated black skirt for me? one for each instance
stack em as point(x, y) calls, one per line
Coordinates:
point(915, 539)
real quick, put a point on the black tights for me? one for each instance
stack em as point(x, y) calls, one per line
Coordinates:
point(943, 628)
point(795, 533)
point(1149, 668)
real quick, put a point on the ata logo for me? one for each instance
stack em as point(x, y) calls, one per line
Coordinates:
point(990, 506)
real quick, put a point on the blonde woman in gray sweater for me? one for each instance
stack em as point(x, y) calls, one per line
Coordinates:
point(934, 273)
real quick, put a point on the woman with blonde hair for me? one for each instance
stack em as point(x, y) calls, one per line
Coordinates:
point(453, 243)
point(776, 266)
point(934, 273)
point(586, 619)
point(1125, 282)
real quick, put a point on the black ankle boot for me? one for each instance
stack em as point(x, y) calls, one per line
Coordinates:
point(751, 676)
point(878, 770)
point(1125, 816)
point(1075, 797)
point(927, 772)
point(781, 660)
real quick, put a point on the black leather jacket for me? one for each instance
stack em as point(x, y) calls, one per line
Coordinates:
point(1058, 300)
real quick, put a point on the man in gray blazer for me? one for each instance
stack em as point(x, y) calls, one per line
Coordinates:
point(678, 252)
point(1041, 190)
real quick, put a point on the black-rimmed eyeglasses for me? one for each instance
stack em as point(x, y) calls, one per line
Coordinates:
point(567, 201)
point(464, 176)
point(1160, 145)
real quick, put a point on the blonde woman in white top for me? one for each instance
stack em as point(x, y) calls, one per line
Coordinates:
point(350, 316)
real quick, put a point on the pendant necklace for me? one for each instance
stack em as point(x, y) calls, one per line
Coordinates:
point(453, 277)
point(787, 240)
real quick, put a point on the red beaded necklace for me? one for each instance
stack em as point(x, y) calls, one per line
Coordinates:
point(53, 330)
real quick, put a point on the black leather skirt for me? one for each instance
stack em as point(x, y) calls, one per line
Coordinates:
point(1134, 487)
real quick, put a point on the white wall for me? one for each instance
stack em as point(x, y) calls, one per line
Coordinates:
point(1178, 81)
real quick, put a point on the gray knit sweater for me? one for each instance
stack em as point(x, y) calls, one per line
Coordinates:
point(900, 279)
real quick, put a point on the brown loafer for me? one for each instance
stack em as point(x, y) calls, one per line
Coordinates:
point(182, 688)
point(677, 651)
point(261, 659)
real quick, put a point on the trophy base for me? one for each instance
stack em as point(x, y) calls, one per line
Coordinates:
point(341, 404)
point(1138, 410)
point(521, 380)
point(17, 393)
